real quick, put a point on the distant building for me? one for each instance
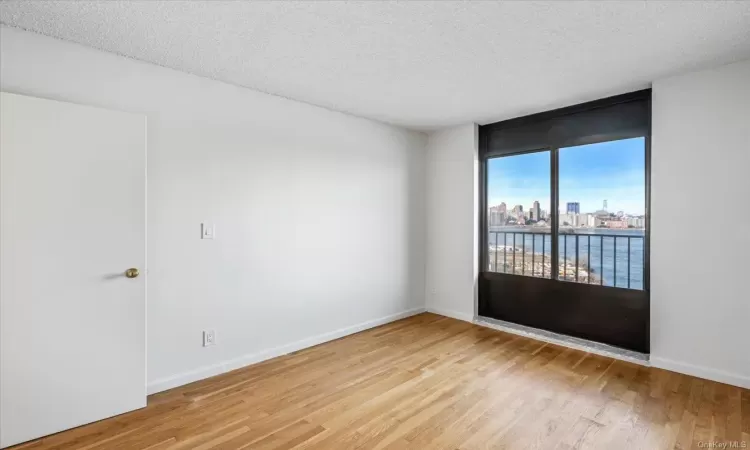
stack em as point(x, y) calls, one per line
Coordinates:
point(536, 212)
point(637, 222)
point(570, 220)
point(584, 219)
point(573, 208)
point(497, 215)
point(617, 224)
point(592, 221)
point(518, 211)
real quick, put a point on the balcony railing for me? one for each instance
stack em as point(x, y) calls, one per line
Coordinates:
point(595, 258)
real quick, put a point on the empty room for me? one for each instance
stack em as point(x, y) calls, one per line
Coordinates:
point(374, 224)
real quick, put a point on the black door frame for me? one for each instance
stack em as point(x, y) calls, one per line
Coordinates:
point(611, 315)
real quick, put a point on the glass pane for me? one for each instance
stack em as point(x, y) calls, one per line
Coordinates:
point(518, 193)
point(602, 213)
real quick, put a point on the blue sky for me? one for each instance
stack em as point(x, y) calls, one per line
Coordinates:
point(589, 174)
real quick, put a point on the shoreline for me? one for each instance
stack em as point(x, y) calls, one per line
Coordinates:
point(562, 230)
point(538, 265)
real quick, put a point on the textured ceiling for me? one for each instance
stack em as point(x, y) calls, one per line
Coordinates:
point(421, 65)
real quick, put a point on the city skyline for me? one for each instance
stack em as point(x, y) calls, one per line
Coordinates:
point(500, 215)
point(512, 208)
point(588, 174)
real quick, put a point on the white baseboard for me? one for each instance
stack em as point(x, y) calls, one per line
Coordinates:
point(201, 373)
point(450, 313)
point(708, 373)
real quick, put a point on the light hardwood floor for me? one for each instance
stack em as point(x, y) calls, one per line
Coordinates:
point(430, 382)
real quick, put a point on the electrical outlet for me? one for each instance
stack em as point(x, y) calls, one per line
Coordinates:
point(208, 231)
point(209, 338)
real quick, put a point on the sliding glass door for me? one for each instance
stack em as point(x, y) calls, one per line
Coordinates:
point(564, 226)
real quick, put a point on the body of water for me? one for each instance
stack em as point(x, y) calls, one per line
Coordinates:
point(615, 256)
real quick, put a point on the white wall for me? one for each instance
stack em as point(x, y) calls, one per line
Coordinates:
point(700, 304)
point(452, 261)
point(319, 215)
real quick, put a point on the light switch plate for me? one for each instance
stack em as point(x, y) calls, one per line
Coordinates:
point(209, 338)
point(208, 231)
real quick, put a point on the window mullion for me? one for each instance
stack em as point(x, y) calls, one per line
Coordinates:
point(554, 212)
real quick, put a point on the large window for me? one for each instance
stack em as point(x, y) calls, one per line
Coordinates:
point(519, 236)
point(601, 219)
point(565, 212)
point(602, 222)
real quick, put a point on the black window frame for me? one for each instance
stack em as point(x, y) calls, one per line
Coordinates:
point(598, 313)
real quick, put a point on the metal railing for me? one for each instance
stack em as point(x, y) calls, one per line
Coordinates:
point(582, 258)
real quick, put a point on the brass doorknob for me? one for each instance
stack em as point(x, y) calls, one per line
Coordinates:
point(132, 273)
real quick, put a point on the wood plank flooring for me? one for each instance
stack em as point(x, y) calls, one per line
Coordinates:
point(430, 382)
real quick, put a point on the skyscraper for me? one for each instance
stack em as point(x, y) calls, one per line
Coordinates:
point(574, 208)
point(604, 207)
point(498, 215)
point(536, 212)
point(518, 212)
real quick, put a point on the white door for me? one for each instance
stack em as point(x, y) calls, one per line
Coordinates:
point(72, 221)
